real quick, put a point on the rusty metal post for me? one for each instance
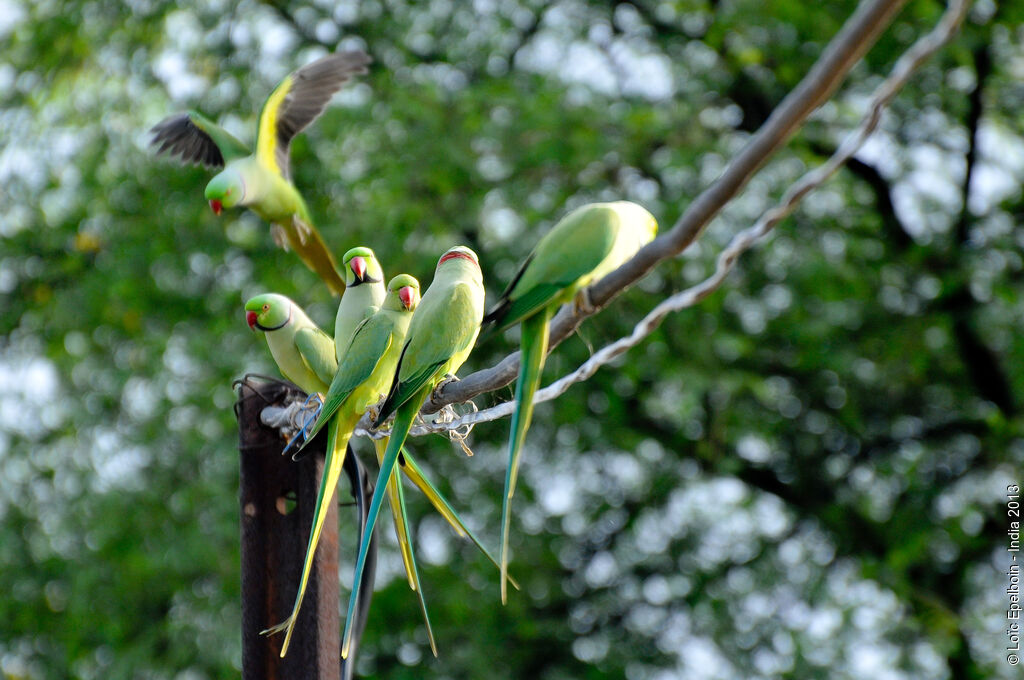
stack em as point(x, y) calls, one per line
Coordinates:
point(278, 500)
point(275, 531)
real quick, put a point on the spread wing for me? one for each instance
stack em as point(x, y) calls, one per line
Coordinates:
point(298, 100)
point(196, 139)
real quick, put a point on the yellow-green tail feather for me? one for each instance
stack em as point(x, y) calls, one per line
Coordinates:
point(415, 474)
point(336, 448)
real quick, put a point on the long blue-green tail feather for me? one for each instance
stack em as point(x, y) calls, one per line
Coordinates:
point(396, 498)
point(403, 421)
point(398, 515)
point(533, 349)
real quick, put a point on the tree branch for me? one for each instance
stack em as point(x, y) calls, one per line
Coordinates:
point(891, 222)
point(976, 106)
point(857, 35)
point(981, 363)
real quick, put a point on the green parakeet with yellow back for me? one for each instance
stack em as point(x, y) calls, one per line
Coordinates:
point(363, 376)
point(261, 181)
point(440, 338)
point(582, 247)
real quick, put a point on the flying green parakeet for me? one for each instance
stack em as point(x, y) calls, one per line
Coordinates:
point(261, 181)
point(440, 338)
point(363, 376)
point(586, 244)
point(303, 352)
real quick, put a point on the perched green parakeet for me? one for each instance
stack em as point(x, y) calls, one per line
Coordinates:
point(440, 338)
point(363, 376)
point(303, 352)
point(364, 294)
point(261, 181)
point(586, 244)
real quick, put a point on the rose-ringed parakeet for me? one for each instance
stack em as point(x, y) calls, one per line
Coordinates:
point(364, 294)
point(261, 181)
point(365, 372)
point(440, 338)
point(582, 247)
point(303, 352)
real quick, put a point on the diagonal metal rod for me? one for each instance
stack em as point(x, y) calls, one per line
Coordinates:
point(900, 75)
point(857, 35)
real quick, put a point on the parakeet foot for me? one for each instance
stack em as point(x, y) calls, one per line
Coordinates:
point(448, 378)
point(303, 230)
point(311, 409)
point(374, 411)
point(279, 235)
point(581, 302)
point(279, 628)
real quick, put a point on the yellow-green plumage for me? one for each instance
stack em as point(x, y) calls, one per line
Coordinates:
point(362, 378)
point(364, 294)
point(261, 181)
point(585, 245)
point(303, 353)
point(415, 474)
point(440, 338)
point(396, 498)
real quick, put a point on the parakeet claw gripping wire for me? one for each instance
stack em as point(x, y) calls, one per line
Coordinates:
point(306, 414)
point(295, 418)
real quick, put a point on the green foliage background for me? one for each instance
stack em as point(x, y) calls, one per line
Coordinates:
point(802, 477)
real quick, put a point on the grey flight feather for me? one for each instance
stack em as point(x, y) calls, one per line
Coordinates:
point(311, 89)
point(181, 137)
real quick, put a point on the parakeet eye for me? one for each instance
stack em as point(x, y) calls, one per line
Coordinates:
point(266, 308)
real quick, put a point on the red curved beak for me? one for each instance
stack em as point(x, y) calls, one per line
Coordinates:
point(216, 206)
point(358, 265)
point(406, 294)
point(250, 318)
